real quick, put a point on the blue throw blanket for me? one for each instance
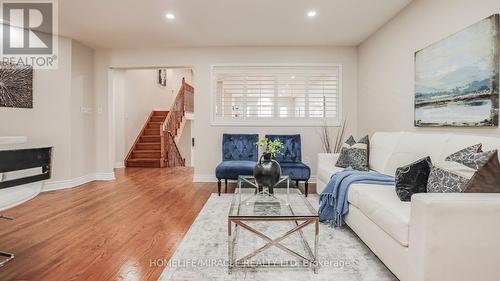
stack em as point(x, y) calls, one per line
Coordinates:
point(333, 200)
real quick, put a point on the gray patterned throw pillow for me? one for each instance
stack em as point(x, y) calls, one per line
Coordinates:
point(449, 176)
point(460, 155)
point(354, 154)
point(477, 160)
point(453, 174)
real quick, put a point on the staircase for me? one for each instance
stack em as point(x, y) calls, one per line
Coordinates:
point(146, 151)
point(156, 145)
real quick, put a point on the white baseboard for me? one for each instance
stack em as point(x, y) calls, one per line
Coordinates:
point(64, 184)
point(119, 165)
point(212, 178)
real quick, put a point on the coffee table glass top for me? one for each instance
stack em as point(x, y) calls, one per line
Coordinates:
point(284, 202)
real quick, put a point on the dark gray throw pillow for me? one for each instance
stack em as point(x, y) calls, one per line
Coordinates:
point(412, 178)
point(354, 154)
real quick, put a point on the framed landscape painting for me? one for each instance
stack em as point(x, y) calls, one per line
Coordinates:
point(456, 79)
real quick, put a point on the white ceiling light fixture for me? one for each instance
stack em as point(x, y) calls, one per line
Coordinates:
point(170, 16)
point(311, 14)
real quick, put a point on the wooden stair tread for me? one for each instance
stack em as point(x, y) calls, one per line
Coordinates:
point(154, 125)
point(144, 159)
point(144, 138)
point(157, 119)
point(141, 145)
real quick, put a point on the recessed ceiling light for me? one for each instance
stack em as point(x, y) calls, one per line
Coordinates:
point(311, 14)
point(170, 16)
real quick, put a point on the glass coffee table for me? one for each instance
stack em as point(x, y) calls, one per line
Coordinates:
point(283, 205)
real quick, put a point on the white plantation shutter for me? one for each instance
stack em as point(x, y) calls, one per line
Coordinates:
point(276, 95)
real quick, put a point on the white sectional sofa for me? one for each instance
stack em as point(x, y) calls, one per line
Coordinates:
point(435, 236)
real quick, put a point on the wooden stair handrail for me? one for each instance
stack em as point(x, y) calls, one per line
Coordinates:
point(172, 124)
point(129, 155)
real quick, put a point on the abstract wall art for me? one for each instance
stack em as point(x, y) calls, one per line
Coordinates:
point(16, 86)
point(162, 77)
point(456, 79)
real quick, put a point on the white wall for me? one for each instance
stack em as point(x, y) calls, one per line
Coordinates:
point(208, 138)
point(174, 79)
point(386, 62)
point(136, 94)
point(119, 92)
point(82, 111)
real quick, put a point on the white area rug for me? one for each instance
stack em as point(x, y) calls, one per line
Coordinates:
point(203, 254)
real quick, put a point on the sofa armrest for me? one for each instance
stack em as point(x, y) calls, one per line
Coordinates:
point(324, 160)
point(454, 237)
point(327, 158)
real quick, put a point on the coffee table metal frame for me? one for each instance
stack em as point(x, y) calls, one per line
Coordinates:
point(309, 261)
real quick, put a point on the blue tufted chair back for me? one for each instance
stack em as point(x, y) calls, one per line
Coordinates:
point(239, 147)
point(292, 151)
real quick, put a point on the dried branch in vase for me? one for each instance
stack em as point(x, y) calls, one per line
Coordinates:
point(326, 139)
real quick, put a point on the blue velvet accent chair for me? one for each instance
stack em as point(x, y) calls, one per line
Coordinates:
point(239, 156)
point(290, 159)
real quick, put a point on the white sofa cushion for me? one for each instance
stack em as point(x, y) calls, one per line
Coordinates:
point(382, 145)
point(412, 147)
point(382, 206)
point(354, 191)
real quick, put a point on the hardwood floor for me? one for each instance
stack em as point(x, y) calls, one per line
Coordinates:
point(103, 230)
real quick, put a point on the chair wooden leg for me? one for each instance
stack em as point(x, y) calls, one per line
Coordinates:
point(225, 188)
point(218, 186)
point(306, 187)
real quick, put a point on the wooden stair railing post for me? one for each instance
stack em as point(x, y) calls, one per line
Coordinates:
point(162, 147)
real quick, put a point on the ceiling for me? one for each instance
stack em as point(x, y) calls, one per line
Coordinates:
point(203, 23)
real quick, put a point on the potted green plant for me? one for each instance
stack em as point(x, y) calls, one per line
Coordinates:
point(267, 171)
